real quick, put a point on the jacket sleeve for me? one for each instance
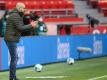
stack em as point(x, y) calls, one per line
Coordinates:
point(18, 22)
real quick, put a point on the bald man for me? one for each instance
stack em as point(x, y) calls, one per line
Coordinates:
point(12, 36)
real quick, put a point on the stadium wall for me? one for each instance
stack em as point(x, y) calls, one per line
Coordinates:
point(49, 49)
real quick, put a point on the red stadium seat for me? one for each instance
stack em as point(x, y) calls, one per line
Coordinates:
point(44, 5)
point(34, 5)
point(69, 4)
point(103, 6)
point(62, 31)
point(80, 30)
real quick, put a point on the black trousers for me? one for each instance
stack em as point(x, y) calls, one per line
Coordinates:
point(12, 46)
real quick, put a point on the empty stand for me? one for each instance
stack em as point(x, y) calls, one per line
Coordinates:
point(100, 4)
point(46, 8)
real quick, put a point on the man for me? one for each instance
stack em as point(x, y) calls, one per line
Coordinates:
point(14, 27)
point(92, 21)
point(28, 16)
point(3, 20)
point(26, 21)
point(1, 26)
point(2, 16)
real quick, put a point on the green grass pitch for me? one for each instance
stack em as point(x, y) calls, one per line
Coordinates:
point(89, 69)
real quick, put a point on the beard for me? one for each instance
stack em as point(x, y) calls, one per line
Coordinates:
point(21, 14)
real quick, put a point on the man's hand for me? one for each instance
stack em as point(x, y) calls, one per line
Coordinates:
point(34, 24)
point(40, 19)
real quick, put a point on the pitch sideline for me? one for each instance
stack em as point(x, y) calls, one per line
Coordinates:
point(46, 77)
point(95, 78)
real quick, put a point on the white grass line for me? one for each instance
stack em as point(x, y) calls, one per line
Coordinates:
point(45, 77)
point(96, 78)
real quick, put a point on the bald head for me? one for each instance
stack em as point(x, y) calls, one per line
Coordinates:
point(20, 7)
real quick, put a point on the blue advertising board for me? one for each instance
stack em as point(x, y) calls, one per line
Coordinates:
point(49, 49)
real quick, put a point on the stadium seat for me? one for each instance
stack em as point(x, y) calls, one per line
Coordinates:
point(69, 4)
point(62, 31)
point(103, 6)
point(34, 5)
point(78, 30)
point(94, 3)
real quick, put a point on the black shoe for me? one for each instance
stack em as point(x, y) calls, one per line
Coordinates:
point(14, 79)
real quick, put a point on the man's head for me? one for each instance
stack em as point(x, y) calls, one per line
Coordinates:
point(20, 7)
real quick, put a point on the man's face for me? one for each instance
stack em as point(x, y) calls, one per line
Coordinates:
point(22, 9)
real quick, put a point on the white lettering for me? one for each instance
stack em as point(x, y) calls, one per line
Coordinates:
point(63, 49)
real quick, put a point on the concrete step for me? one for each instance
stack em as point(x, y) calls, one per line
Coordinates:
point(82, 9)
